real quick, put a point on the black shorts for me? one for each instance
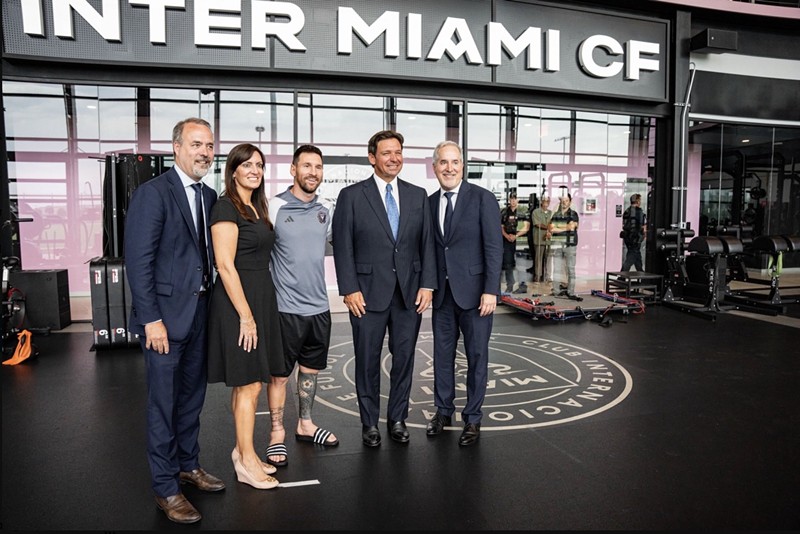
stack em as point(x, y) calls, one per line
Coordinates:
point(306, 339)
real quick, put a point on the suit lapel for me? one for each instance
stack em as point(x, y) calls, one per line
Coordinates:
point(208, 199)
point(179, 196)
point(462, 205)
point(373, 196)
point(435, 202)
point(405, 205)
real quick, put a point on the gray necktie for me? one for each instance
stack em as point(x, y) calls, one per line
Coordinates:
point(391, 211)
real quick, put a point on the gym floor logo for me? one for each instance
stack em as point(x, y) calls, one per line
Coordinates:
point(533, 382)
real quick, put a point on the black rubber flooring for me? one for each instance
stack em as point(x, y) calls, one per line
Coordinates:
point(657, 421)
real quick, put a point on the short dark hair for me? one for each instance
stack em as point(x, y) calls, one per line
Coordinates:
point(636, 197)
point(383, 135)
point(304, 149)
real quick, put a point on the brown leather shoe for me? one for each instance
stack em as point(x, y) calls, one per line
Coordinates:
point(202, 480)
point(178, 509)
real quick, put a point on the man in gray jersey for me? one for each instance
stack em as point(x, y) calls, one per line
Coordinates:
point(302, 232)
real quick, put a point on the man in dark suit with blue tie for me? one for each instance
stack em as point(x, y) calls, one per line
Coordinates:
point(168, 260)
point(386, 271)
point(469, 253)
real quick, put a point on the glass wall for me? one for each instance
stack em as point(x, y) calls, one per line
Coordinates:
point(599, 159)
point(58, 138)
point(746, 179)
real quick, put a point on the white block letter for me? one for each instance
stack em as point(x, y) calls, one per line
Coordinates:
point(204, 21)
point(286, 32)
point(465, 45)
point(32, 21)
point(499, 39)
point(107, 24)
point(588, 64)
point(414, 36)
point(634, 61)
point(553, 61)
point(350, 22)
point(158, 16)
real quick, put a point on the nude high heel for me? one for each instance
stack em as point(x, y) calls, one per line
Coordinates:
point(242, 475)
point(268, 469)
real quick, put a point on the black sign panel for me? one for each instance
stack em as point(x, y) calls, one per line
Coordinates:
point(520, 44)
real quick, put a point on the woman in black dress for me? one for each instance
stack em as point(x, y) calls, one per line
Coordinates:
point(243, 326)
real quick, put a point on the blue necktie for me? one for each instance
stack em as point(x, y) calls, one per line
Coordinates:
point(201, 230)
point(391, 211)
point(448, 213)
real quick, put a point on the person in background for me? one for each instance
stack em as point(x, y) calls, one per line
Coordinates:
point(386, 271)
point(540, 223)
point(469, 255)
point(167, 259)
point(303, 231)
point(245, 347)
point(513, 223)
point(563, 235)
point(634, 227)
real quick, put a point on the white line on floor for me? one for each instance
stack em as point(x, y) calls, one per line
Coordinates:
point(298, 483)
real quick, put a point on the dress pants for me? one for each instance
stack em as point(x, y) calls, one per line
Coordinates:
point(368, 334)
point(540, 260)
point(449, 321)
point(176, 390)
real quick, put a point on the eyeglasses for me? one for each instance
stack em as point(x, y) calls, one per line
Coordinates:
point(248, 165)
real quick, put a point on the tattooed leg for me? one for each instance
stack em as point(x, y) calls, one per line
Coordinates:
point(306, 393)
point(276, 394)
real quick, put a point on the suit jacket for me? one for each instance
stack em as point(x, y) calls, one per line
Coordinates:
point(162, 254)
point(471, 258)
point(366, 256)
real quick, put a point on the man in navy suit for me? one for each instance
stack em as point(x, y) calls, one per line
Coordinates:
point(168, 260)
point(386, 271)
point(469, 254)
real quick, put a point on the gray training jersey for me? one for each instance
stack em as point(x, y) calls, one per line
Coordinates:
point(302, 231)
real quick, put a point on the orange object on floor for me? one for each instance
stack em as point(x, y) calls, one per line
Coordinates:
point(23, 350)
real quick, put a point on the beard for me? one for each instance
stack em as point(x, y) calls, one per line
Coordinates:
point(307, 188)
point(200, 169)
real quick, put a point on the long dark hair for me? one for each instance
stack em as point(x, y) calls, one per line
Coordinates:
point(238, 155)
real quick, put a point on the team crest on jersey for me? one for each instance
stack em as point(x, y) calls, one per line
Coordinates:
point(322, 217)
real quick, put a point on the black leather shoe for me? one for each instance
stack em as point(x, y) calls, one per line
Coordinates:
point(398, 431)
point(470, 435)
point(370, 436)
point(437, 423)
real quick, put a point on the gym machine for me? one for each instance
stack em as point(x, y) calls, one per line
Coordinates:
point(697, 282)
point(774, 247)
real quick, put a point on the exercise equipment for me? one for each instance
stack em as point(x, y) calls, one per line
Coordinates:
point(598, 306)
point(774, 247)
point(698, 273)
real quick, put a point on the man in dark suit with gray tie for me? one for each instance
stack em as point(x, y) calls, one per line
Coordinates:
point(469, 254)
point(386, 271)
point(168, 260)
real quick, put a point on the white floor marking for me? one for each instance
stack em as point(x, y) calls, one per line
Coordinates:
point(298, 483)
